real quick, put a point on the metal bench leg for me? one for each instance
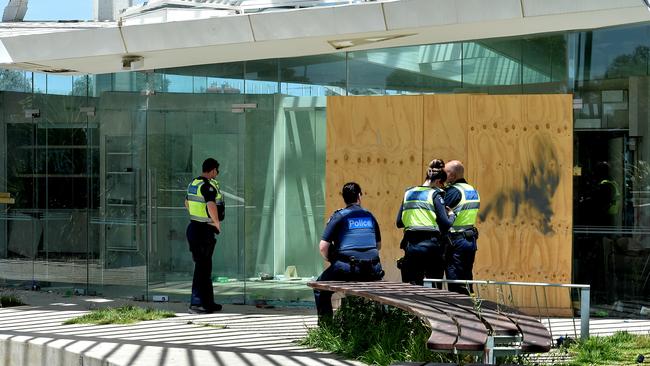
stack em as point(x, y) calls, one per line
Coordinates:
point(488, 355)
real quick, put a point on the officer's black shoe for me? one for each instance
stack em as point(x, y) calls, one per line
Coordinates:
point(216, 307)
point(197, 309)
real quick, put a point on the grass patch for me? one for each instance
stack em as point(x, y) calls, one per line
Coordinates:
point(123, 315)
point(375, 334)
point(10, 300)
point(622, 348)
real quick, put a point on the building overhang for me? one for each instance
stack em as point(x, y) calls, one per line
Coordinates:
point(100, 47)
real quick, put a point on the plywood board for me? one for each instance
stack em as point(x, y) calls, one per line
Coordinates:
point(521, 152)
point(445, 128)
point(517, 152)
point(376, 142)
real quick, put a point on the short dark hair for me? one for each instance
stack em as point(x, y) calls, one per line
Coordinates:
point(210, 164)
point(350, 192)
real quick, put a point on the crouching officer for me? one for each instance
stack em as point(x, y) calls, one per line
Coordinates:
point(350, 243)
point(425, 220)
point(464, 200)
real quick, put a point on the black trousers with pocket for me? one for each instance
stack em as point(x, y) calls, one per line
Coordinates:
point(202, 240)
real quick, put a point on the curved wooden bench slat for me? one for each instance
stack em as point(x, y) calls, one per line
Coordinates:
point(535, 336)
point(452, 317)
point(498, 323)
point(447, 330)
point(472, 332)
point(447, 322)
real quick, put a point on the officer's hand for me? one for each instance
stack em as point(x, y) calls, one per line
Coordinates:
point(217, 231)
point(449, 211)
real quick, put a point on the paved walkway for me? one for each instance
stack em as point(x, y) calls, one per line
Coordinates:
point(34, 335)
point(239, 335)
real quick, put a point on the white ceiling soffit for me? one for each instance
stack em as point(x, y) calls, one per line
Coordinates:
point(311, 31)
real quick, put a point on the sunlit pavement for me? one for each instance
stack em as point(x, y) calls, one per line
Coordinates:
point(238, 335)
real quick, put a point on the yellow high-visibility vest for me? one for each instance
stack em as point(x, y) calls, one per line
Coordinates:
point(467, 209)
point(196, 205)
point(418, 211)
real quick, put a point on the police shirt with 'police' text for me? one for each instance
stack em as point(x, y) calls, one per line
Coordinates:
point(352, 228)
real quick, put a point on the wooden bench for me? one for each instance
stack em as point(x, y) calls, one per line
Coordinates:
point(458, 323)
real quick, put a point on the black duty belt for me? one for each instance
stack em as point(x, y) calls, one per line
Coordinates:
point(355, 260)
point(468, 234)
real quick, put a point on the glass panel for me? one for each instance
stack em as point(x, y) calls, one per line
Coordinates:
point(544, 61)
point(179, 84)
point(40, 83)
point(60, 84)
point(15, 80)
point(262, 77)
point(285, 158)
point(120, 217)
point(612, 53)
point(417, 69)
point(313, 75)
point(21, 226)
point(305, 148)
point(63, 153)
point(183, 130)
point(493, 66)
point(611, 174)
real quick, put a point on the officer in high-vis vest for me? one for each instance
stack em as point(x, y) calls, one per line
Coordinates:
point(350, 243)
point(425, 221)
point(465, 201)
point(204, 202)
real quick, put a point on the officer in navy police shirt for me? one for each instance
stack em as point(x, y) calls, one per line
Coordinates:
point(350, 243)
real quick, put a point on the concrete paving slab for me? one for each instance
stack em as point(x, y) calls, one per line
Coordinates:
point(239, 335)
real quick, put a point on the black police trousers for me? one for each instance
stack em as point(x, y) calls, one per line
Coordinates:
point(201, 239)
point(423, 256)
point(460, 261)
point(363, 268)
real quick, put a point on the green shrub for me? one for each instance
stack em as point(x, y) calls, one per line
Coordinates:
point(10, 300)
point(375, 334)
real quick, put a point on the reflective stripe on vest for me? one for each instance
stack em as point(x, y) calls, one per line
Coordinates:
point(418, 211)
point(196, 205)
point(467, 208)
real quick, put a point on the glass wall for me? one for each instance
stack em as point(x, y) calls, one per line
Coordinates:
point(612, 197)
point(99, 164)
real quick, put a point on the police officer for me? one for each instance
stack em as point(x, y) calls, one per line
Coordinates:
point(425, 220)
point(464, 200)
point(350, 243)
point(205, 205)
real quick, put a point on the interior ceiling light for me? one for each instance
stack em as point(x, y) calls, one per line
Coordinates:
point(346, 43)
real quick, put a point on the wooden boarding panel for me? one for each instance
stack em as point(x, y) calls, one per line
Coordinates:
point(376, 142)
point(445, 128)
point(5, 194)
point(517, 151)
point(520, 160)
